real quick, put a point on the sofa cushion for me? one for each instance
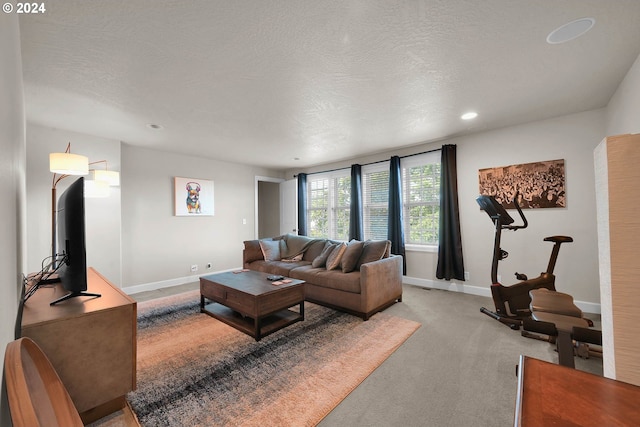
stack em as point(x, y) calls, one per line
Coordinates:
point(335, 256)
point(351, 256)
point(271, 249)
point(332, 279)
point(373, 250)
point(276, 267)
point(321, 259)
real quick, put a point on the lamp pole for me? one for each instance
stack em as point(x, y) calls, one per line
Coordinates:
point(54, 223)
point(53, 228)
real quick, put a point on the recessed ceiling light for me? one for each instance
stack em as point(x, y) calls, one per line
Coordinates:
point(469, 116)
point(154, 126)
point(570, 30)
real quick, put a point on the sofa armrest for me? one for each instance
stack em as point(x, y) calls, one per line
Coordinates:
point(380, 282)
point(251, 252)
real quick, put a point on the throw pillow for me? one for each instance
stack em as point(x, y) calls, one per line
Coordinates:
point(351, 256)
point(373, 250)
point(314, 249)
point(252, 251)
point(335, 257)
point(270, 249)
point(321, 260)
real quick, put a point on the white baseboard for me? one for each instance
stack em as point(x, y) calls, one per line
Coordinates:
point(485, 291)
point(152, 286)
point(448, 286)
point(588, 307)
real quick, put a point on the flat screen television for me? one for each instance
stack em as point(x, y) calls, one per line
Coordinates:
point(70, 227)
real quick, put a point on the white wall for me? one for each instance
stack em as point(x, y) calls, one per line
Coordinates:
point(133, 238)
point(103, 222)
point(623, 111)
point(158, 248)
point(12, 185)
point(571, 138)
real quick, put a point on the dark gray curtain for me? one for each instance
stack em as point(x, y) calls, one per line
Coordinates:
point(356, 227)
point(302, 204)
point(395, 223)
point(450, 262)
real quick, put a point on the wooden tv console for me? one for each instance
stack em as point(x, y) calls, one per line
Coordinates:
point(91, 343)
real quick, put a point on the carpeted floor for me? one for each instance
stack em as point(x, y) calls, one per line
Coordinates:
point(458, 369)
point(194, 370)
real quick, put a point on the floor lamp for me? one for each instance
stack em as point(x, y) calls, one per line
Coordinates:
point(63, 165)
point(66, 164)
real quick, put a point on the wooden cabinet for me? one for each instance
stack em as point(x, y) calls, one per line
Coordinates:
point(91, 343)
point(617, 168)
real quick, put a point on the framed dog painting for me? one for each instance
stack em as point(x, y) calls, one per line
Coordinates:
point(193, 197)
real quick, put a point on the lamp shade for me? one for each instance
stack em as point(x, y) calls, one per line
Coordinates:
point(96, 189)
point(68, 164)
point(110, 177)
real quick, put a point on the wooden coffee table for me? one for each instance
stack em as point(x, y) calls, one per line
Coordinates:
point(250, 303)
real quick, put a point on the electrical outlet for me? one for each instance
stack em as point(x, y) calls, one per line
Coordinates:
point(208, 265)
point(466, 275)
point(194, 268)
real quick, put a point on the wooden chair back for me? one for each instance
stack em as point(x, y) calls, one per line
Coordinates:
point(35, 392)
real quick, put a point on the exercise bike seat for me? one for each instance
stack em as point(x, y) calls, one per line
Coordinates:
point(544, 300)
point(563, 323)
point(554, 314)
point(562, 329)
point(558, 239)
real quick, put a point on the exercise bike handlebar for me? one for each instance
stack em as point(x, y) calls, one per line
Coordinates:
point(499, 215)
point(525, 223)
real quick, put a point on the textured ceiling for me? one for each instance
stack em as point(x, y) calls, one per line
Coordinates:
point(264, 82)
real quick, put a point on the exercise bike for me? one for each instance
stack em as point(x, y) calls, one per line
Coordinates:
point(512, 302)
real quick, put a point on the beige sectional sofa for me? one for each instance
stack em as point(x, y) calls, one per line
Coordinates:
point(360, 278)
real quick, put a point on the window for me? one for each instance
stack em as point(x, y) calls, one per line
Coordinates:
point(329, 198)
point(421, 198)
point(375, 200)
point(341, 208)
point(328, 205)
point(318, 202)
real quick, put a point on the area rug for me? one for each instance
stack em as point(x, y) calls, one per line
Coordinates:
point(194, 370)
